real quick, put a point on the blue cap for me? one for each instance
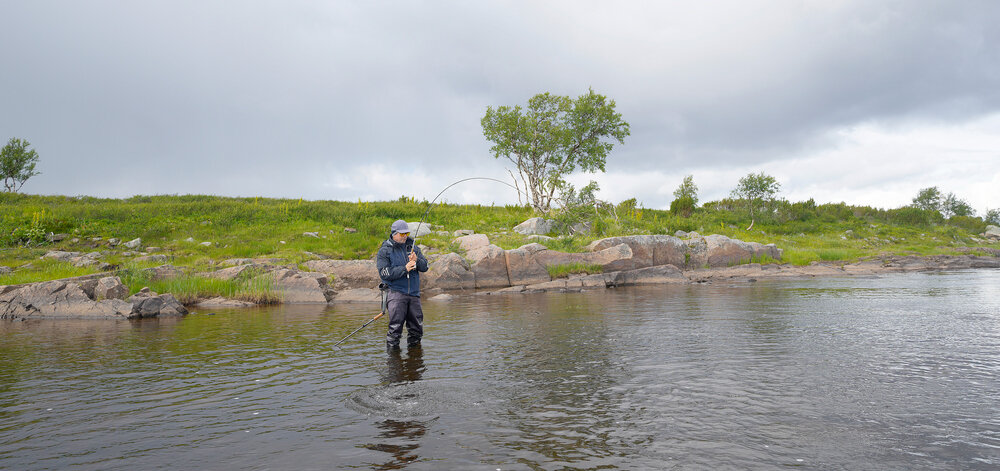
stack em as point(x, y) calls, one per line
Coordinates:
point(400, 226)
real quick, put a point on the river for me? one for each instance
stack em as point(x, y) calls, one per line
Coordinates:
point(892, 372)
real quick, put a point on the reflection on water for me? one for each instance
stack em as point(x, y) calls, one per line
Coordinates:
point(896, 372)
point(401, 437)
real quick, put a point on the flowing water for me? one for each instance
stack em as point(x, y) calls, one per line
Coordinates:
point(893, 372)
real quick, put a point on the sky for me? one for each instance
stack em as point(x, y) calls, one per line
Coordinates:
point(864, 102)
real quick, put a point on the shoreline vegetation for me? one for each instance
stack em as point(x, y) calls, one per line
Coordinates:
point(199, 235)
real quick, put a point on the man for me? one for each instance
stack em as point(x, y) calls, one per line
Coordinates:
point(399, 264)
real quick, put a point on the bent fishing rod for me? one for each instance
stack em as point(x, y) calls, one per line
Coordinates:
point(382, 287)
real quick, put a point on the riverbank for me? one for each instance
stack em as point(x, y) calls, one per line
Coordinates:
point(481, 268)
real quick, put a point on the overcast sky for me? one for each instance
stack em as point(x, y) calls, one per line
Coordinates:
point(864, 101)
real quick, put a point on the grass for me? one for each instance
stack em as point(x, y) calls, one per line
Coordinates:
point(274, 228)
point(253, 286)
point(563, 271)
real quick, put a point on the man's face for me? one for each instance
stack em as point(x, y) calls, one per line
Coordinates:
point(400, 237)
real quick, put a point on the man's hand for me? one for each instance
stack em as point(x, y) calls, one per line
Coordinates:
point(413, 256)
point(411, 265)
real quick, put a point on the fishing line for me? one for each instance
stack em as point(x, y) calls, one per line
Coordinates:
point(431, 204)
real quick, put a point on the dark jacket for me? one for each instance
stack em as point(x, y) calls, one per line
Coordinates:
point(391, 263)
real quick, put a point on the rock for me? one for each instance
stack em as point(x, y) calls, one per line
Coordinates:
point(680, 234)
point(582, 228)
point(110, 287)
point(607, 258)
point(647, 251)
point(350, 230)
point(146, 306)
point(237, 261)
point(51, 237)
point(6, 270)
point(419, 229)
point(442, 297)
point(232, 273)
point(540, 237)
point(314, 235)
point(155, 258)
point(61, 256)
point(301, 287)
point(209, 244)
point(659, 274)
point(523, 269)
point(358, 295)
point(58, 299)
point(992, 232)
point(189, 239)
point(223, 302)
point(163, 272)
point(473, 241)
point(536, 225)
point(463, 232)
point(134, 243)
point(171, 307)
point(450, 271)
point(489, 266)
point(723, 251)
point(152, 249)
point(114, 241)
point(697, 253)
point(347, 273)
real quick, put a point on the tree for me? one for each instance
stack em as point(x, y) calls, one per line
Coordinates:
point(551, 138)
point(687, 189)
point(955, 206)
point(992, 217)
point(17, 164)
point(928, 198)
point(756, 190)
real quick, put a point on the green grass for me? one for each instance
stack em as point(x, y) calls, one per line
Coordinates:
point(563, 271)
point(253, 286)
point(273, 228)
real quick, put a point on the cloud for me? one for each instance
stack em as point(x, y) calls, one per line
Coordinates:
point(273, 98)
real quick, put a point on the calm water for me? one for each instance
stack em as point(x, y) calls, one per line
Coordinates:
point(895, 372)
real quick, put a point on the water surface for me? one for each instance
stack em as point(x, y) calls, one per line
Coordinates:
point(894, 372)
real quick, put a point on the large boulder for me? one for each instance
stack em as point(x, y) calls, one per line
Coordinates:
point(724, 252)
point(536, 225)
point(523, 268)
point(472, 241)
point(57, 299)
point(233, 273)
point(110, 287)
point(449, 271)
point(659, 274)
point(992, 232)
point(697, 253)
point(647, 251)
point(347, 273)
point(301, 287)
point(489, 265)
point(419, 229)
point(607, 258)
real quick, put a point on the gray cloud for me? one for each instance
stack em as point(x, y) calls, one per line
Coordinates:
point(281, 99)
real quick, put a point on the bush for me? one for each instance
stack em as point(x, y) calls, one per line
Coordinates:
point(914, 216)
point(682, 206)
point(969, 223)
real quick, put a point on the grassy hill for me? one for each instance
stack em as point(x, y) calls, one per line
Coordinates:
point(274, 228)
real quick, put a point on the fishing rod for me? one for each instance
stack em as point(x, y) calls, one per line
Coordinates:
point(382, 287)
point(385, 304)
point(431, 204)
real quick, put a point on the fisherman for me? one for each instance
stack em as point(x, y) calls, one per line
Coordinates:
point(399, 264)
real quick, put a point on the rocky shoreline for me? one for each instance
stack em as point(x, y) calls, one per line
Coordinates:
point(481, 269)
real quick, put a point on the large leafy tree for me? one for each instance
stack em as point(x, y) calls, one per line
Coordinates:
point(17, 164)
point(928, 199)
point(756, 190)
point(552, 137)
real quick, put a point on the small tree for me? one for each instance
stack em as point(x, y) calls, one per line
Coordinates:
point(756, 190)
point(17, 164)
point(955, 206)
point(928, 198)
point(685, 197)
point(550, 139)
point(992, 217)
